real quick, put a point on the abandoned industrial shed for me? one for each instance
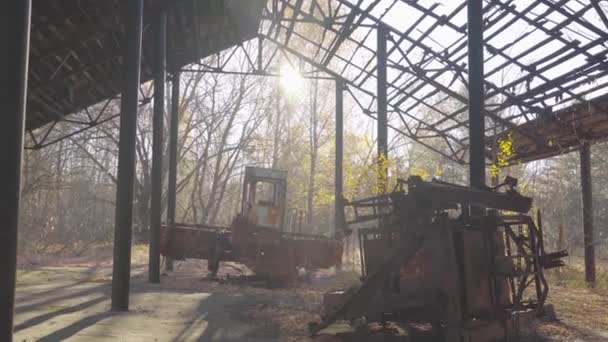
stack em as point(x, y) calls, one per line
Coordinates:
point(68, 58)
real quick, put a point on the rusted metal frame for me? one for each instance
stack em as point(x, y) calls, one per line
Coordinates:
point(451, 116)
point(350, 82)
point(438, 56)
point(428, 95)
point(315, 4)
point(523, 66)
point(273, 55)
point(600, 12)
point(38, 144)
point(281, 12)
point(233, 53)
point(313, 20)
point(591, 90)
point(462, 46)
point(432, 81)
point(360, 44)
point(306, 19)
point(409, 82)
point(368, 33)
point(531, 22)
point(572, 45)
point(355, 53)
point(576, 82)
point(325, 20)
point(425, 103)
point(430, 12)
point(491, 72)
point(542, 87)
point(336, 32)
point(71, 134)
point(402, 38)
point(420, 141)
point(408, 134)
point(396, 45)
point(45, 135)
point(531, 49)
point(461, 110)
point(344, 32)
point(347, 63)
point(450, 93)
point(577, 17)
point(253, 73)
point(366, 110)
point(297, 9)
point(222, 61)
point(548, 85)
point(323, 48)
point(579, 82)
point(427, 32)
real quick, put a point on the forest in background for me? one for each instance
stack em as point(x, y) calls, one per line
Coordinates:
point(229, 121)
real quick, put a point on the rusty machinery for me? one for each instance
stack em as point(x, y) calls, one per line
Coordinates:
point(468, 261)
point(264, 236)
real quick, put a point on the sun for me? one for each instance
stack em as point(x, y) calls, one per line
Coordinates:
point(291, 81)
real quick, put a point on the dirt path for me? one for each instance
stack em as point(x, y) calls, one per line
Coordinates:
point(72, 303)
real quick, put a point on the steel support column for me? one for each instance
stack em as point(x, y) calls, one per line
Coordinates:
point(174, 127)
point(339, 178)
point(477, 166)
point(586, 187)
point(16, 39)
point(382, 110)
point(126, 158)
point(157, 146)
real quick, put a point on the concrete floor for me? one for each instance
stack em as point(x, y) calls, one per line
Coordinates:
point(73, 304)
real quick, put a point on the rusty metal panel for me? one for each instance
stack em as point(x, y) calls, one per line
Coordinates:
point(259, 172)
point(477, 272)
point(189, 241)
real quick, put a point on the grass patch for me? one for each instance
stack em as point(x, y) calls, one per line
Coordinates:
point(573, 276)
point(32, 277)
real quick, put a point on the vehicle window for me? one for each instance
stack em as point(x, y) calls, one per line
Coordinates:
point(265, 193)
